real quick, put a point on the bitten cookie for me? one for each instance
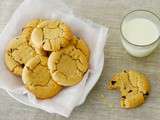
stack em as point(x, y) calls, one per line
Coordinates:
point(133, 85)
point(38, 80)
point(18, 52)
point(68, 65)
point(51, 35)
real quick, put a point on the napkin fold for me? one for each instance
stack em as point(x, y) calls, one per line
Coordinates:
point(95, 35)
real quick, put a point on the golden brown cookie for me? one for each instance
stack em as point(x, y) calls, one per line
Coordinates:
point(36, 37)
point(134, 87)
point(51, 35)
point(37, 78)
point(18, 52)
point(68, 65)
point(32, 23)
point(81, 45)
point(28, 28)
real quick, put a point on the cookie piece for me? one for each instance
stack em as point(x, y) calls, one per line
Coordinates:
point(51, 35)
point(38, 80)
point(133, 85)
point(17, 53)
point(68, 65)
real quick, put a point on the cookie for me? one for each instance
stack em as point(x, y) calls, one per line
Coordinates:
point(81, 45)
point(28, 28)
point(18, 52)
point(51, 35)
point(37, 78)
point(68, 65)
point(134, 87)
point(36, 42)
point(32, 23)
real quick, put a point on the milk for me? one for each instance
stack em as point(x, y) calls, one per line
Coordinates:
point(139, 36)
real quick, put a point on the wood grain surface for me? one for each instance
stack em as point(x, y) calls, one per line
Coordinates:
point(101, 104)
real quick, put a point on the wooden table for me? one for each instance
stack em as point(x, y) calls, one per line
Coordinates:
point(101, 104)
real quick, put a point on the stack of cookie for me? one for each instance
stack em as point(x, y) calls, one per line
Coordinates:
point(48, 57)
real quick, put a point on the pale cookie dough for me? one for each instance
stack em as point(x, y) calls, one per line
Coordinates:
point(68, 65)
point(51, 35)
point(38, 80)
point(18, 52)
point(134, 87)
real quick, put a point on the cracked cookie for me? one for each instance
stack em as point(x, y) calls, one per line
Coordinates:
point(18, 52)
point(33, 23)
point(51, 35)
point(28, 28)
point(81, 45)
point(133, 85)
point(37, 78)
point(68, 65)
point(36, 36)
point(27, 31)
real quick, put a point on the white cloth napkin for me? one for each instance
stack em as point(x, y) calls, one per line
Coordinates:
point(95, 36)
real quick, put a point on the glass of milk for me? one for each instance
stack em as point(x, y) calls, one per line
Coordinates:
point(140, 32)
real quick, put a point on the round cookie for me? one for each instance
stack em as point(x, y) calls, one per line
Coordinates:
point(37, 78)
point(32, 23)
point(19, 50)
point(81, 45)
point(68, 65)
point(51, 35)
point(36, 36)
point(17, 53)
point(28, 29)
point(133, 85)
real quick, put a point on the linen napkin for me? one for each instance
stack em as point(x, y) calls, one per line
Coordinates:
point(95, 35)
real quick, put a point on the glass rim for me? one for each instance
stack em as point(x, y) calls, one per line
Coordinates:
point(134, 12)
